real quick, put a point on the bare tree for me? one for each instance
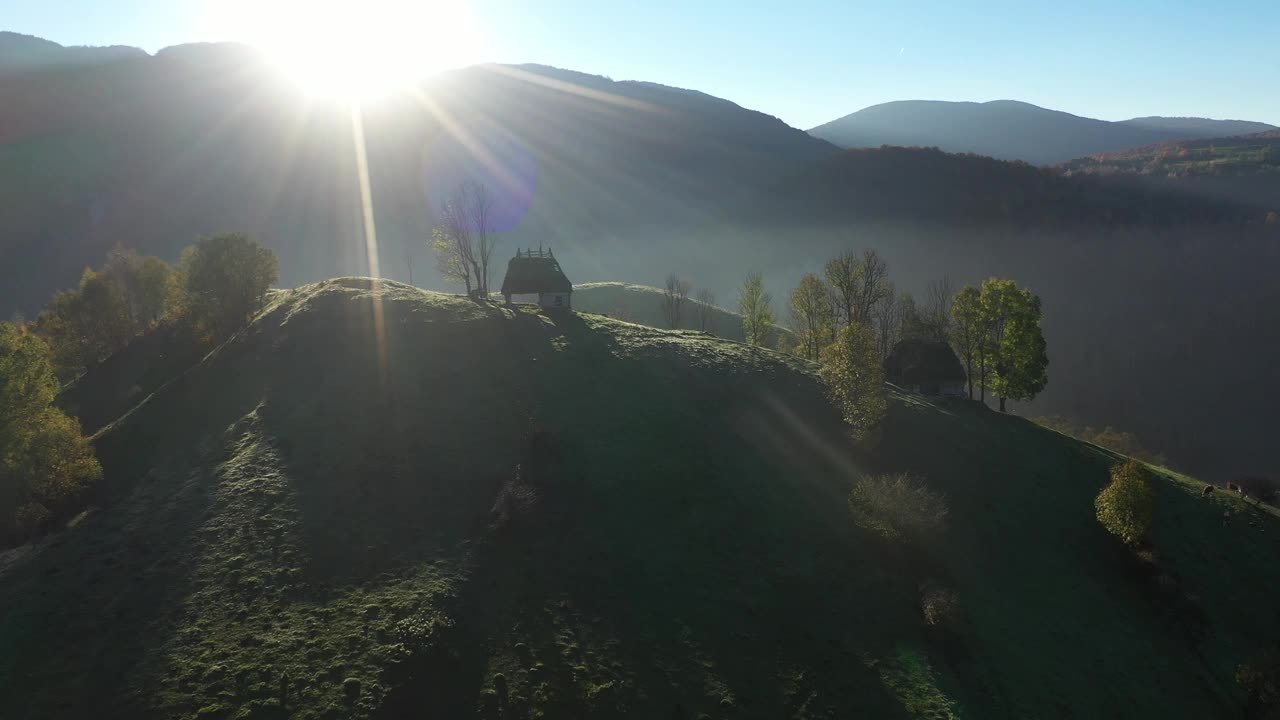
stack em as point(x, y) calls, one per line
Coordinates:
point(463, 241)
point(479, 207)
point(408, 260)
point(873, 285)
point(705, 310)
point(888, 323)
point(842, 276)
point(674, 296)
point(859, 284)
point(936, 314)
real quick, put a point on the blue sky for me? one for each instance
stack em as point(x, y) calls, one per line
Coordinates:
point(812, 62)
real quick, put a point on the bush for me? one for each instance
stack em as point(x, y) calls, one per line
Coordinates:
point(940, 606)
point(1259, 677)
point(897, 507)
point(224, 279)
point(1126, 505)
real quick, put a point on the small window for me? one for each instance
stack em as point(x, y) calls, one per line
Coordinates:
point(559, 300)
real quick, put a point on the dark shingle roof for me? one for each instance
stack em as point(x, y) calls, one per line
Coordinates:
point(534, 271)
point(915, 361)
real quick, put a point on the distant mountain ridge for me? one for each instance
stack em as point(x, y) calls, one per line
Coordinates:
point(21, 52)
point(1013, 130)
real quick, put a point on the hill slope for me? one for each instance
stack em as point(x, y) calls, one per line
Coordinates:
point(642, 304)
point(1011, 130)
point(381, 505)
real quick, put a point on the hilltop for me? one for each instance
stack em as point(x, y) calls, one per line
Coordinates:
point(642, 304)
point(25, 52)
point(375, 503)
point(1012, 130)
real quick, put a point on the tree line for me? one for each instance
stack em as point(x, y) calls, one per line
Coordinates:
point(677, 307)
point(850, 316)
point(46, 464)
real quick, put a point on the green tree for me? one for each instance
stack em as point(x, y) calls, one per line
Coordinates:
point(107, 310)
point(755, 304)
point(85, 325)
point(145, 282)
point(812, 315)
point(854, 378)
point(224, 279)
point(1017, 360)
point(1126, 505)
point(967, 333)
point(44, 460)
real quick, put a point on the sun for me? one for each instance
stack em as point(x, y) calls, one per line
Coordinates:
point(356, 50)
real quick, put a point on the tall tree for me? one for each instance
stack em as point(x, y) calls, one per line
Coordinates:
point(860, 283)
point(675, 295)
point(706, 310)
point(967, 332)
point(873, 287)
point(755, 304)
point(854, 378)
point(842, 275)
point(936, 313)
point(109, 307)
point(463, 240)
point(224, 280)
point(1020, 360)
point(812, 315)
point(145, 282)
point(912, 323)
point(888, 322)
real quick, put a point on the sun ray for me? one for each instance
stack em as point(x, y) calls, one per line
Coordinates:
point(370, 235)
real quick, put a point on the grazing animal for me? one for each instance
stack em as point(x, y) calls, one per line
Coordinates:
point(1207, 489)
point(1233, 486)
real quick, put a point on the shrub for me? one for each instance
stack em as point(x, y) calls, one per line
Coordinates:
point(1126, 505)
point(897, 507)
point(940, 606)
point(1259, 677)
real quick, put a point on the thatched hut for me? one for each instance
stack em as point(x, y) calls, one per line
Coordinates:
point(538, 273)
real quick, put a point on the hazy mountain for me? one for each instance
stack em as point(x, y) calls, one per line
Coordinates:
point(201, 139)
point(18, 51)
point(1010, 130)
point(628, 181)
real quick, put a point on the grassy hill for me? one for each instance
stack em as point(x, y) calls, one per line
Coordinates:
point(642, 304)
point(394, 504)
